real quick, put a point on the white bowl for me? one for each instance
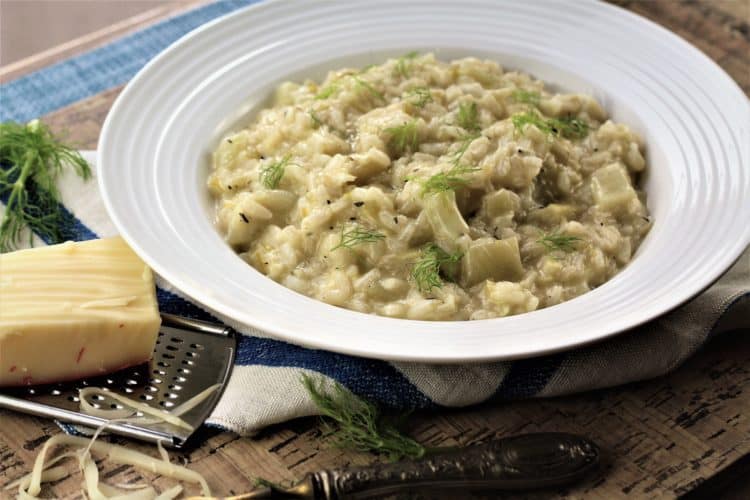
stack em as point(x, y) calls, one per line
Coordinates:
point(154, 149)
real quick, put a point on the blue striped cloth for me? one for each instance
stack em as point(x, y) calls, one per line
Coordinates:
point(264, 387)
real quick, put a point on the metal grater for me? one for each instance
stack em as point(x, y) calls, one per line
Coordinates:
point(189, 356)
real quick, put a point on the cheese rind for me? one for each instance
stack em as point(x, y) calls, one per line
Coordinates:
point(74, 310)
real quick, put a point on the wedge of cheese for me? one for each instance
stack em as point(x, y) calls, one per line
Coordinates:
point(74, 310)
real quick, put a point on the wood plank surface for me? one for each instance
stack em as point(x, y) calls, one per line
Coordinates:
point(662, 438)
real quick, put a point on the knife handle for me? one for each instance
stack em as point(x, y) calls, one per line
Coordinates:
point(526, 461)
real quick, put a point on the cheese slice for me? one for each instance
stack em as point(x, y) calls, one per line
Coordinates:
point(74, 310)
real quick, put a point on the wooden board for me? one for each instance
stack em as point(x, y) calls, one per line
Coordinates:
point(662, 438)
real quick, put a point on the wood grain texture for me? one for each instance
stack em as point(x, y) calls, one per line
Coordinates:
point(661, 438)
point(720, 28)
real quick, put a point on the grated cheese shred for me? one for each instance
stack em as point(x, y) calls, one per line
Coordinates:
point(46, 470)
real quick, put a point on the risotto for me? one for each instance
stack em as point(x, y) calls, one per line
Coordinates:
point(432, 190)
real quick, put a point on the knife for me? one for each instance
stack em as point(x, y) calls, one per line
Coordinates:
point(527, 461)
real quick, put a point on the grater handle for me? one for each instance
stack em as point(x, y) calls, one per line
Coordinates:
point(76, 418)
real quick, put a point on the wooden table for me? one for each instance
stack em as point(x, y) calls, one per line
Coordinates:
point(662, 438)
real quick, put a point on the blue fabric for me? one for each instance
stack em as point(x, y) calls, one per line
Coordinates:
point(528, 377)
point(74, 79)
point(375, 380)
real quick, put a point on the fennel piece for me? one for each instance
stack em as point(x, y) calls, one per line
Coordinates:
point(491, 259)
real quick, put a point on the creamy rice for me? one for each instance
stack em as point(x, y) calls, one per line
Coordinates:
point(429, 190)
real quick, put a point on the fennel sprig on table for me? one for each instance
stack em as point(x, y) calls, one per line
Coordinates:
point(31, 160)
point(358, 424)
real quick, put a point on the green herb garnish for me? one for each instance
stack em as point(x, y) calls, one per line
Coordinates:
point(31, 160)
point(419, 96)
point(404, 64)
point(270, 175)
point(426, 271)
point(570, 128)
point(467, 140)
point(448, 181)
point(317, 122)
point(468, 117)
point(558, 241)
point(455, 177)
point(356, 236)
point(359, 424)
point(403, 137)
point(327, 92)
point(522, 120)
point(526, 96)
point(361, 84)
